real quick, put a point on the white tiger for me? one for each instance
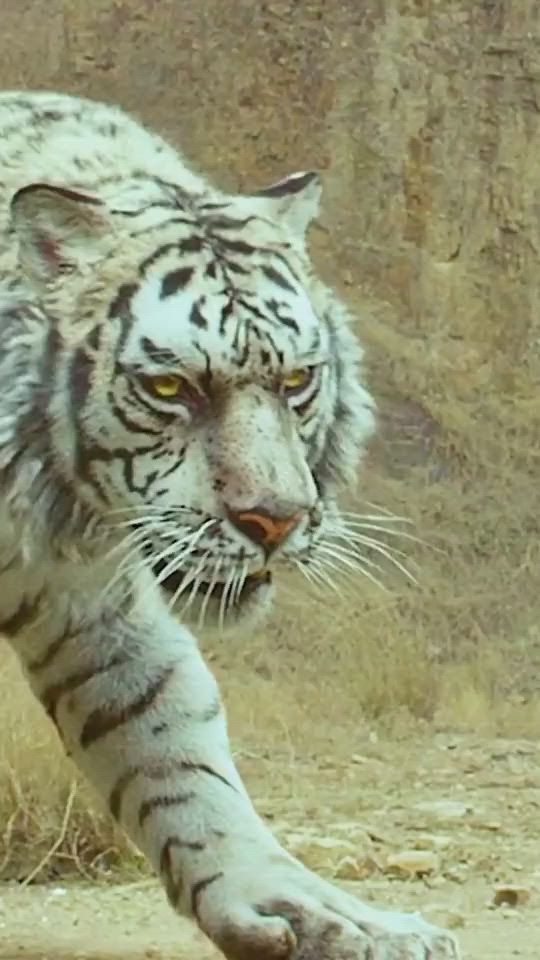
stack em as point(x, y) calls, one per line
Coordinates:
point(180, 402)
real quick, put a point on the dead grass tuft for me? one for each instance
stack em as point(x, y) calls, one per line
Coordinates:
point(50, 823)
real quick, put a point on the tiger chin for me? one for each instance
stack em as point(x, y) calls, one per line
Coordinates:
point(181, 398)
point(211, 609)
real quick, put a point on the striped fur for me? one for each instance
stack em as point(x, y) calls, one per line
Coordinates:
point(118, 265)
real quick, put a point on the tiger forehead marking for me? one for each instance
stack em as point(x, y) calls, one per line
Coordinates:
point(208, 313)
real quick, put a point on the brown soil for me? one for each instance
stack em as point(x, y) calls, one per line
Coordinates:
point(339, 816)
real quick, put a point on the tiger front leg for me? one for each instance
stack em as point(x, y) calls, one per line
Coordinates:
point(144, 722)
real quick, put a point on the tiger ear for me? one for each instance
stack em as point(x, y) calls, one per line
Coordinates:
point(294, 201)
point(58, 229)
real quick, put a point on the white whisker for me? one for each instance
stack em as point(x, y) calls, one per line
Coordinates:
point(374, 517)
point(357, 528)
point(125, 541)
point(150, 508)
point(194, 577)
point(130, 560)
point(181, 550)
point(317, 567)
point(212, 583)
point(228, 586)
point(240, 584)
point(360, 568)
point(337, 550)
point(355, 542)
point(383, 551)
point(353, 539)
point(184, 583)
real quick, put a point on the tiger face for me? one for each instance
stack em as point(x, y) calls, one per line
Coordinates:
point(203, 397)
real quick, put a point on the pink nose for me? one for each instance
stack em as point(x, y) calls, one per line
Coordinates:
point(262, 528)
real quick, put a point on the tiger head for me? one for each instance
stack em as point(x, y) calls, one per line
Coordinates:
point(201, 396)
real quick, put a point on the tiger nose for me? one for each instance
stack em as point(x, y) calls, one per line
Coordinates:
point(263, 528)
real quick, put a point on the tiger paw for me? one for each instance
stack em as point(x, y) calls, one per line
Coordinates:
point(283, 912)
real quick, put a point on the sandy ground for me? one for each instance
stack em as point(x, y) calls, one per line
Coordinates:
point(472, 803)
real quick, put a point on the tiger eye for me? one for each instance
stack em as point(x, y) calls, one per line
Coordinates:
point(166, 386)
point(297, 380)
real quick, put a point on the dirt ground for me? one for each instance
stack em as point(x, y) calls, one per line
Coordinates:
point(473, 803)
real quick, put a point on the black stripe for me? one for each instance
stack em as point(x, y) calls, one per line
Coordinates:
point(237, 246)
point(197, 318)
point(229, 223)
point(24, 615)
point(179, 844)
point(163, 801)
point(199, 888)
point(254, 310)
point(117, 793)
point(79, 377)
point(157, 354)
point(104, 720)
point(121, 305)
point(53, 648)
point(191, 245)
point(276, 277)
point(204, 768)
point(275, 307)
point(131, 426)
point(291, 185)
point(174, 281)
point(151, 205)
point(53, 693)
point(228, 309)
point(173, 888)
point(157, 255)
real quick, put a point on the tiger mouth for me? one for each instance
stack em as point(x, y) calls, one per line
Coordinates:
point(205, 588)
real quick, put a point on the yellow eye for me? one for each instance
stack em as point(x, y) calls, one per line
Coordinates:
point(166, 386)
point(297, 380)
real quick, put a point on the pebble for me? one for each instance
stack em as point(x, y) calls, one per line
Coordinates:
point(444, 809)
point(511, 895)
point(417, 863)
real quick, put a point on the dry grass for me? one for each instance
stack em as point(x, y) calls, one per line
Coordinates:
point(431, 186)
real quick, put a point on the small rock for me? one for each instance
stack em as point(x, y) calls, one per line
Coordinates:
point(457, 874)
point(320, 853)
point(360, 758)
point(511, 895)
point(432, 841)
point(493, 825)
point(444, 809)
point(417, 863)
point(435, 882)
point(356, 868)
